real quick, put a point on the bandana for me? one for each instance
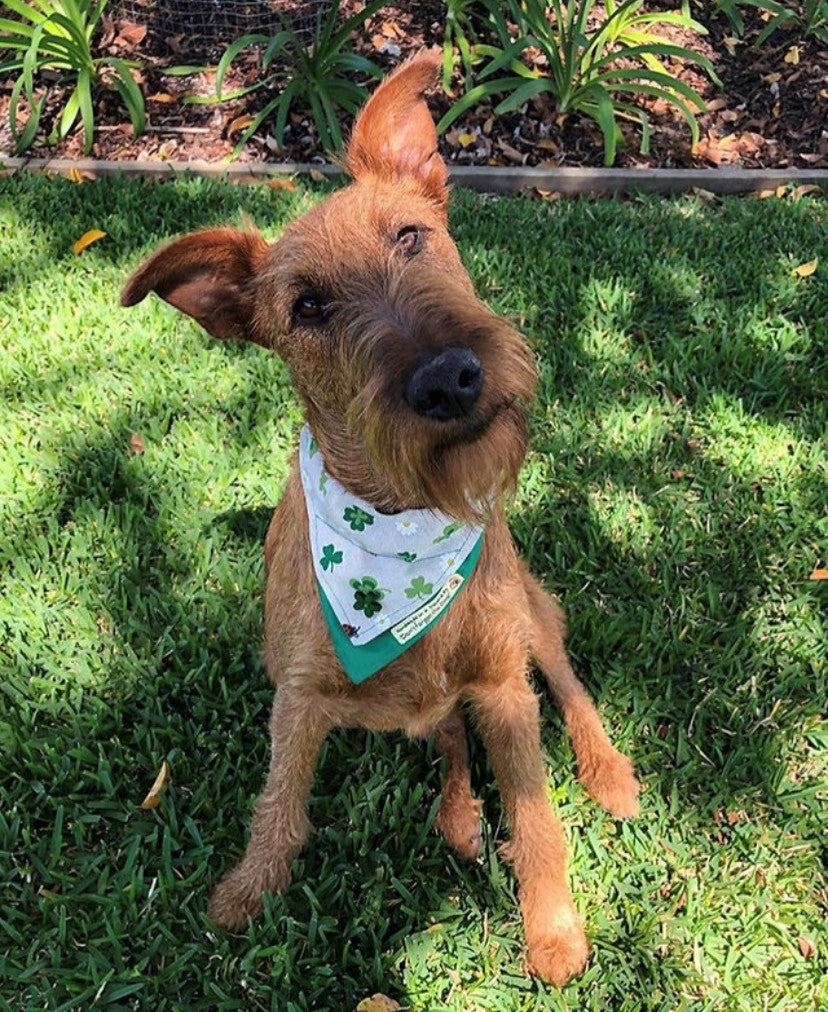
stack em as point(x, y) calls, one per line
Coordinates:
point(384, 580)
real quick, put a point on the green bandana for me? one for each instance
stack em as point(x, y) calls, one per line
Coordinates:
point(384, 580)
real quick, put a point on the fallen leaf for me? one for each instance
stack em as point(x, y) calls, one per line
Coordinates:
point(136, 444)
point(316, 175)
point(80, 175)
point(487, 126)
point(239, 123)
point(161, 781)
point(48, 894)
point(806, 947)
point(777, 108)
point(511, 153)
point(87, 239)
point(378, 1003)
point(162, 97)
point(819, 574)
point(800, 191)
point(129, 35)
point(677, 475)
point(823, 93)
point(545, 144)
point(807, 269)
point(772, 78)
point(466, 140)
point(780, 190)
point(733, 818)
point(792, 55)
point(731, 43)
point(282, 184)
point(764, 194)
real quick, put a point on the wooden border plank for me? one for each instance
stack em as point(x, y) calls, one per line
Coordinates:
point(483, 178)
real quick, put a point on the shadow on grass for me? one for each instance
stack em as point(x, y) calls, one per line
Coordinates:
point(181, 605)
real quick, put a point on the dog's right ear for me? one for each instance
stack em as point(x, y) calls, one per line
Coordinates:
point(207, 275)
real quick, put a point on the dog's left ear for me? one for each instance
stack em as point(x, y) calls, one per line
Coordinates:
point(394, 136)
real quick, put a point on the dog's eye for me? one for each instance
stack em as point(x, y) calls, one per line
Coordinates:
point(308, 309)
point(410, 240)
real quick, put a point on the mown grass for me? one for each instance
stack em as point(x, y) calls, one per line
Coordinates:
point(675, 497)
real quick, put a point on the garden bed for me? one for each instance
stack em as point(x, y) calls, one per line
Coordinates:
point(770, 112)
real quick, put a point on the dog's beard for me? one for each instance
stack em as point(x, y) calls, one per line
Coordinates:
point(459, 467)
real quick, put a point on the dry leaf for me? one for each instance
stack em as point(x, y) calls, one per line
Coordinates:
point(545, 144)
point(807, 269)
point(511, 153)
point(161, 781)
point(806, 947)
point(800, 191)
point(819, 574)
point(378, 1003)
point(792, 55)
point(129, 35)
point(777, 108)
point(780, 190)
point(677, 475)
point(772, 78)
point(162, 97)
point(487, 126)
point(316, 175)
point(823, 93)
point(239, 123)
point(80, 175)
point(282, 184)
point(48, 894)
point(87, 239)
point(466, 140)
point(136, 444)
point(731, 44)
point(764, 194)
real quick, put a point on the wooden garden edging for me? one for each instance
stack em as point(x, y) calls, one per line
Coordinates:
point(484, 178)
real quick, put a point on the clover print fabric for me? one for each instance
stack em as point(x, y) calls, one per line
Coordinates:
point(374, 569)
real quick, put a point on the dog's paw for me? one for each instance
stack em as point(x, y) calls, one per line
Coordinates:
point(237, 897)
point(610, 780)
point(458, 820)
point(557, 958)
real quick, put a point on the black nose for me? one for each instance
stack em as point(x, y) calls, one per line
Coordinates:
point(445, 385)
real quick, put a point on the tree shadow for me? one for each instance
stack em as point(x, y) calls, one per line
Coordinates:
point(184, 636)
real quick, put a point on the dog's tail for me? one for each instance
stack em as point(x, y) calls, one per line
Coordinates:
point(605, 774)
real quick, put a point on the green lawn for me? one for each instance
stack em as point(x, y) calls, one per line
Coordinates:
point(675, 497)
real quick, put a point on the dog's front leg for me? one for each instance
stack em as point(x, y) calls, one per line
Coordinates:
point(509, 719)
point(458, 817)
point(280, 824)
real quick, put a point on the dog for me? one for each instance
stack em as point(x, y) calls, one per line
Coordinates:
point(414, 396)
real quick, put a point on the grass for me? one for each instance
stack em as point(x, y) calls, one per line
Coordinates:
point(675, 497)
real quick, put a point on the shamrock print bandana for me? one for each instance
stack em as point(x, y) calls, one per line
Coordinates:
point(384, 580)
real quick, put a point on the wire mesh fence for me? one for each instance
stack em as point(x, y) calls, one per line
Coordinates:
point(203, 28)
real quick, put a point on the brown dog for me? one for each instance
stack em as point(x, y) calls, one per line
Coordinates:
point(413, 392)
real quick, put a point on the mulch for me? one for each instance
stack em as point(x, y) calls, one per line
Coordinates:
point(771, 111)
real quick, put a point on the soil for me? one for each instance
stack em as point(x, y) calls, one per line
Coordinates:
point(770, 112)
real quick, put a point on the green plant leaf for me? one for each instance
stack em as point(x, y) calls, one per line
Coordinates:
point(131, 94)
point(232, 52)
point(84, 88)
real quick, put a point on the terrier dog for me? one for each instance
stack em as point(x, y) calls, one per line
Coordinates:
point(414, 395)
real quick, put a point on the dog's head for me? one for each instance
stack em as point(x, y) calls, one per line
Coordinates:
point(413, 388)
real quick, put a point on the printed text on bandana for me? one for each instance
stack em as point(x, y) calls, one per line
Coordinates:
point(415, 623)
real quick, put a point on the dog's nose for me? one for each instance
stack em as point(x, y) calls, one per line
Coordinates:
point(445, 385)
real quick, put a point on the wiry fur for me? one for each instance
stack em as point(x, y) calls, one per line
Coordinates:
point(385, 311)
